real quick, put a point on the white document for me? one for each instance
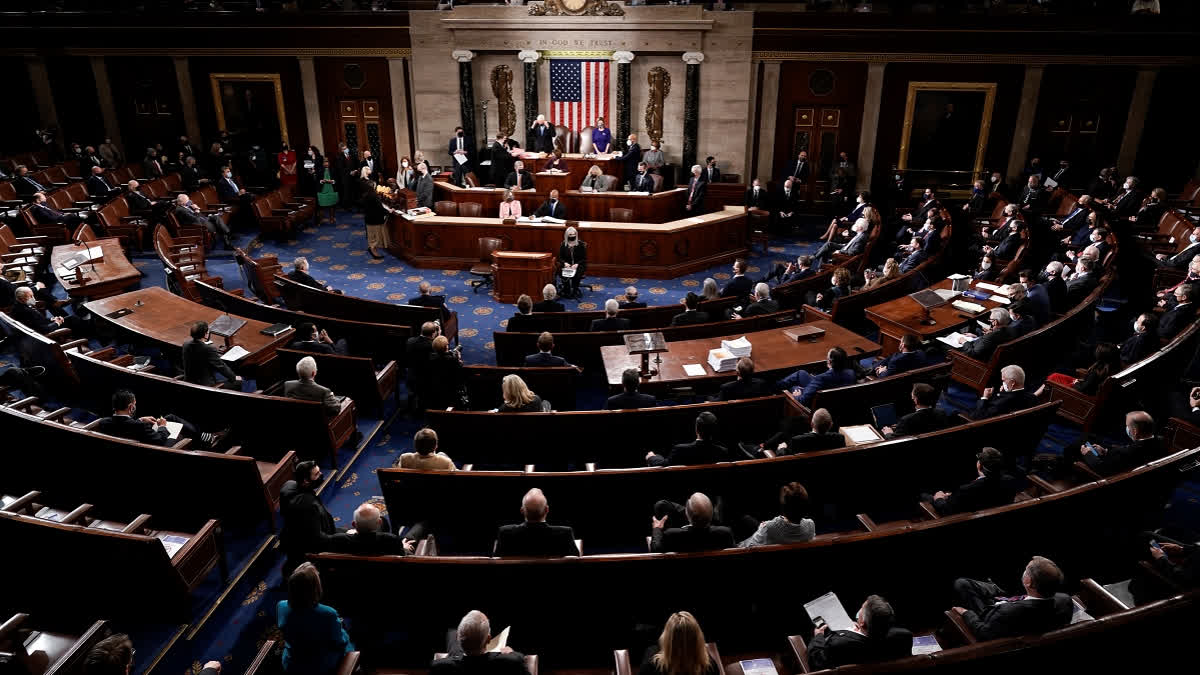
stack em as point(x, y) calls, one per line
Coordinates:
point(693, 369)
point(173, 543)
point(1000, 299)
point(500, 641)
point(967, 306)
point(1078, 613)
point(988, 287)
point(1051, 183)
point(461, 159)
point(567, 273)
point(234, 353)
point(925, 644)
point(861, 433)
point(174, 428)
point(829, 608)
point(956, 339)
point(946, 293)
point(758, 667)
point(552, 219)
point(956, 276)
point(585, 188)
point(739, 347)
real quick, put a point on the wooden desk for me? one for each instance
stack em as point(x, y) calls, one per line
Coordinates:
point(773, 352)
point(577, 166)
point(165, 320)
point(101, 279)
point(660, 207)
point(643, 250)
point(903, 315)
point(517, 272)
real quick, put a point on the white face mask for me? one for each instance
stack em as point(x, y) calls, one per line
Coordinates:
point(404, 163)
point(1193, 238)
point(1129, 433)
point(228, 174)
point(630, 143)
point(32, 301)
point(1004, 386)
point(995, 179)
point(1137, 326)
point(985, 265)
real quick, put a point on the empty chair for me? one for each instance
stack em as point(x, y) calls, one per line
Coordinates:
point(446, 208)
point(84, 233)
point(618, 215)
point(468, 209)
point(483, 268)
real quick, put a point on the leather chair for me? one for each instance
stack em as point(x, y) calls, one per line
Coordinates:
point(470, 209)
point(611, 182)
point(618, 215)
point(84, 233)
point(759, 220)
point(446, 208)
point(584, 142)
point(658, 182)
point(483, 268)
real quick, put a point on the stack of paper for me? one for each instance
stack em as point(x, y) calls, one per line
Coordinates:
point(739, 347)
point(721, 360)
point(967, 306)
point(1000, 299)
point(956, 340)
point(693, 369)
point(988, 287)
point(758, 667)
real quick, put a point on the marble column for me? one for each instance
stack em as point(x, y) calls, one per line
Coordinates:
point(691, 108)
point(40, 79)
point(1023, 129)
point(108, 109)
point(1138, 108)
point(530, 57)
point(400, 93)
point(312, 104)
point(624, 96)
point(187, 99)
point(768, 111)
point(870, 124)
point(466, 91)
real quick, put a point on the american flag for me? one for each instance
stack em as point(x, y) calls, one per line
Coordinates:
point(578, 92)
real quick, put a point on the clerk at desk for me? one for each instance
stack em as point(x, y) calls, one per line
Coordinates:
point(553, 207)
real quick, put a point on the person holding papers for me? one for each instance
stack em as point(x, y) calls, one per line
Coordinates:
point(572, 260)
point(552, 208)
point(594, 181)
point(865, 642)
point(510, 208)
point(468, 654)
point(680, 650)
point(201, 359)
point(147, 429)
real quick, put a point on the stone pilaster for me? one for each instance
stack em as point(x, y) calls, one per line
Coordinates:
point(187, 99)
point(1023, 129)
point(624, 99)
point(870, 124)
point(530, 57)
point(466, 91)
point(1139, 106)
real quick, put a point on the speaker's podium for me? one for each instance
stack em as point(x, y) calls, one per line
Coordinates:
point(517, 272)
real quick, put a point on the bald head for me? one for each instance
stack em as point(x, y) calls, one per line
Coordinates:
point(474, 631)
point(96, 171)
point(133, 185)
point(1139, 425)
point(534, 506)
point(699, 510)
point(181, 199)
point(366, 518)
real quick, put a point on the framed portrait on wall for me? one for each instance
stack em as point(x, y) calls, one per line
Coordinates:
point(250, 107)
point(946, 126)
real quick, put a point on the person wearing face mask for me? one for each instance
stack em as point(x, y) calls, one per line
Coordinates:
point(25, 310)
point(987, 268)
point(1166, 297)
point(643, 182)
point(1182, 259)
point(1063, 176)
point(44, 214)
point(977, 204)
point(654, 158)
point(327, 193)
point(541, 135)
point(631, 158)
point(345, 164)
point(407, 175)
point(601, 137)
point(111, 153)
point(996, 187)
point(307, 524)
point(1038, 296)
point(1012, 396)
point(552, 207)
point(287, 165)
point(424, 188)
point(1127, 203)
point(756, 196)
point(1082, 283)
point(1076, 219)
point(991, 487)
point(556, 162)
point(151, 167)
point(1144, 340)
point(149, 430)
point(1151, 212)
point(375, 164)
point(929, 204)
point(1174, 320)
point(1144, 446)
point(572, 260)
point(375, 214)
point(231, 193)
point(711, 174)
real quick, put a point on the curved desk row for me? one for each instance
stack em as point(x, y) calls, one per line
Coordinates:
point(645, 250)
point(659, 207)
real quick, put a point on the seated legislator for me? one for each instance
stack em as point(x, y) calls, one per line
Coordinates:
point(1107, 361)
point(26, 311)
point(760, 303)
point(791, 526)
point(910, 357)
point(307, 524)
point(756, 197)
point(314, 639)
point(698, 535)
point(24, 184)
point(518, 178)
point(820, 436)
point(691, 315)
point(201, 361)
point(556, 162)
point(187, 214)
point(97, 187)
point(114, 656)
point(631, 299)
point(703, 450)
point(447, 382)
point(991, 487)
point(549, 301)
point(148, 430)
point(138, 202)
point(535, 537)
point(417, 353)
point(300, 275)
point(523, 321)
point(740, 285)
point(552, 208)
point(865, 642)
point(425, 455)
point(594, 181)
point(1143, 342)
point(925, 416)
point(856, 245)
point(544, 358)
point(1144, 447)
point(467, 654)
point(630, 398)
point(746, 385)
point(680, 650)
point(610, 321)
point(306, 388)
point(510, 207)
point(310, 339)
point(803, 385)
point(365, 537)
point(998, 332)
point(424, 298)
point(1012, 396)
point(642, 181)
point(1041, 609)
point(45, 214)
point(517, 396)
point(572, 262)
point(1174, 320)
point(709, 290)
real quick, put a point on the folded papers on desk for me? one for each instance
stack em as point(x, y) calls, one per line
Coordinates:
point(693, 369)
point(956, 340)
point(968, 307)
point(234, 353)
point(925, 644)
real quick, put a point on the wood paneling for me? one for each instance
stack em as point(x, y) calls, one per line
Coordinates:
point(20, 106)
point(288, 69)
point(1081, 116)
point(146, 97)
point(74, 90)
point(360, 80)
point(845, 97)
point(1170, 144)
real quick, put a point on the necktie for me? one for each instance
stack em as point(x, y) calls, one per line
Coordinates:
point(518, 180)
point(460, 143)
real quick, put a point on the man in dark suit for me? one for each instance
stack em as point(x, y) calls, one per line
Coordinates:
point(692, 315)
point(541, 136)
point(630, 398)
point(345, 166)
point(631, 299)
point(991, 487)
point(761, 303)
point(1036, 296)
point(523, 321)
point(424, 188)
point(756, 197)
point(549, 301)
point(1143, 447)
point(798, 170)
point(188, 214)
point(552, 207)
point(519, 178)
point(151, 166)
point(201, 359)
point(981, 348)
point(190, 174)
point(25, 310)
point(366, 538)
point(24, 184)
point(500, 152)
point(1056, 287)
point(1033, 199)
point(467, 652)
point(820, 436)
point(856, 245)
point(90, 160)
point(378, 172)
point(631, 158)
point(148, 430)
point(461, 145)
point(307, 524)
point(746, 385)
point(311, 339)
point(695, 192)
point(801, 269)
point(44, 214)
point(1144, 341)
point(544, 358)
point(610, 321)
point(230, 192)
point(425, 299)
point(991, 616)
point(535, 537)
point(698, 535)
point(786, 202)
point(711, 174)
point(1082, 283)
point(1076, 219)
point(740, 285)
point(307, 389)
point(929, 205)
point(1151, 212)
point(138, 202)
point(1064, 175)
point(1127, 203)
point(910, 357)
point(1023, 322)
point(703, 450)
point(642, 181)
point(1012, 396)
point(924, 418)
point(866, 643)
point(300, 275)
point(97, 188)
point(417, 351)
point(1173, 321)
point(1181, 260)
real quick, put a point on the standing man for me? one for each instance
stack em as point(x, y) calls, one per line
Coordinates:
point(345, 163)
point(376, 166)
point(696, 188)
point(424, 186)
point(541, 135)
point(711, 173)
point(631, 158)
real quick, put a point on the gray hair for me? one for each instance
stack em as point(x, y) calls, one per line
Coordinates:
point(549, 292)
point(762, 291)
point(1000, 316)
point(306, 368)
point(1015, 292)
point(181, 198)
point(23, 294)
point(611, 307)
point(473, 632)
point(1015, 373)
point(366, 518)
point(695, 168)
point(1055, 267)
point(630, 292)
point(300, 263)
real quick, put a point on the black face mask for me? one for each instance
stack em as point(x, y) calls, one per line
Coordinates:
point(571, 239)
point(459, 134)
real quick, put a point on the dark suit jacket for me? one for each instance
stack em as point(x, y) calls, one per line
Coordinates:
point(523, 323)
point(510, 181)
point(378, 172)
point(696, 452)
point(133, 429)
point(745, 388)
point(1171, 323)
point(542, 359)
point(762, 201)
point(1079, 287)
point(1002, 403)
point(96, 187)
point(190, 177)
point(227, 190)
point(1124, 457)
point(834, 648)
point(1148, 216)
point(798, 170)
point(631, 305)
point(45, 215)
point(26, 185)
point(1139, 346)
point(34, 318)
point(738, 287)
point(425, 191)
point(982, 347)
point(491, 663)
point(902, 362)
point(201, 360)
point(1180, 260)
point(609, 323)
point(541, 139)
point(689, 318)
point(417, 351)
point(808, 442)
point(626, 401)
point(137, 201)
point(438, 301)
point(535, 539)
point(1023, 617)
point(305, 278)
point(767, 306)
point(307, 524)
point(630, 159)
point(696, 190)
point(549, 306)
point(787, 203)
point(1039, 303)
point(690, 539)
point(1007, 249)
point(982, 493)
point(313, 346)
point(922, 421)
point(366, 543)
point(1056, 290)
point(559, 211)
point(642, 182)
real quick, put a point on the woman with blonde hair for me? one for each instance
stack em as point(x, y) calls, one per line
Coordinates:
point(517, 396)
point(681, 650)
point(510, 208)
point(891, 270)
point(709, 290)
point(572, 260)
point(595, 181)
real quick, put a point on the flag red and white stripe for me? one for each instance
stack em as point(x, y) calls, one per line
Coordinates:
point(578, 92)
